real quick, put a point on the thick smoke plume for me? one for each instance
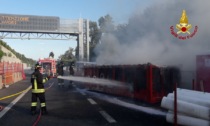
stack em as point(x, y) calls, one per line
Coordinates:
point(148, 37)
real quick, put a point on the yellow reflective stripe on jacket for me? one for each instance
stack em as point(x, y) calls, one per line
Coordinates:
point(35, 84)
point(38, 90)
point(45, 80)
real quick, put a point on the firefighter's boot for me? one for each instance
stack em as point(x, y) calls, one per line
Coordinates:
point(44, 110)
point(33, 110)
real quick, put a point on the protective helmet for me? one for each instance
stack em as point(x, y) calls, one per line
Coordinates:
point(38, 65)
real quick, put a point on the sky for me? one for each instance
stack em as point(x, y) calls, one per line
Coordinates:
point(120, 10)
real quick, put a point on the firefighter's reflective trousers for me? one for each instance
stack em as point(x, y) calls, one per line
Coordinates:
point(41, 97)
point(38, 93)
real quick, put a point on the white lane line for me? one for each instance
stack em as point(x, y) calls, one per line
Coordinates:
point(50, 85)
point(107, 117)
point(8, 107)
point(80, 91)
point(91, 101)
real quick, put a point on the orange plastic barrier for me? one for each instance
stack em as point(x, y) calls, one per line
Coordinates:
point(7, 71)
point(8, 78)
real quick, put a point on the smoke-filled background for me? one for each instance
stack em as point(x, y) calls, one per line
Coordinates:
point(147, 37)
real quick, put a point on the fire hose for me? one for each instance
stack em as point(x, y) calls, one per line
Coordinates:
point(39, 116)
point(9, 96)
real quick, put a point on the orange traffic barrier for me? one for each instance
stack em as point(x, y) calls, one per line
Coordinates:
point(10, 73)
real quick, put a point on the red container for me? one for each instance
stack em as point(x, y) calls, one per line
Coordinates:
point(145, 82)
point(203, 73)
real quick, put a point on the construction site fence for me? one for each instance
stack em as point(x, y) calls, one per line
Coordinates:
point(10, 73)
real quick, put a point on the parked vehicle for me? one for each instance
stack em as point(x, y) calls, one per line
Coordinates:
point(48, 67)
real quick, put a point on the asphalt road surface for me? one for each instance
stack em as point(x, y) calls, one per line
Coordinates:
point(70, 105)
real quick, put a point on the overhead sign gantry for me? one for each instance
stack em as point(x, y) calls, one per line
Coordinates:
point(46, 27)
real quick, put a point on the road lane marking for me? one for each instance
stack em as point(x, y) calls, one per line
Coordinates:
point(9, 96)
point(50, 85)
point(91, 101)
point(107, 117)
point(8, 107)
point(81, 92)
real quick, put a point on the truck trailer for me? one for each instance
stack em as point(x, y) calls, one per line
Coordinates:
point(202, 73)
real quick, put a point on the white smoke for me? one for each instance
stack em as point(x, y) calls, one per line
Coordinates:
point(148, 37)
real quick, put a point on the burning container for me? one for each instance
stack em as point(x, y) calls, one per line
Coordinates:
point(146, 82)
point(203, 73)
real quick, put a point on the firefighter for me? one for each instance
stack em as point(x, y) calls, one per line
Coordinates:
point(61, 73)
point(38, 90)
point(51, 54)
point(71, 69)
point(71, 73)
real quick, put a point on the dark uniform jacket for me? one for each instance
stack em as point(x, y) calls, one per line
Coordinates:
point(71, 70)
point(60, 69)
point(37, 81)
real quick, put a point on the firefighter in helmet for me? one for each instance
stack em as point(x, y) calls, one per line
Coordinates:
point(71, 72)
point(38, 90)
point(60, 72)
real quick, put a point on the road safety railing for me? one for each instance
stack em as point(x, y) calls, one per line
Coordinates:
point(10, 73)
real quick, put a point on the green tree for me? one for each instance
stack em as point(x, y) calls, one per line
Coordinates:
point(120, 32)
point(106, 24)
point(10, 54)
point(1, 54)
point(94, 35)
point(68, 56)
point(29, 61)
